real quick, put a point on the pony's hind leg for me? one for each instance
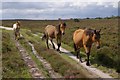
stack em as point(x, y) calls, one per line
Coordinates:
point(80, 58)
point(15, 36)
point(47, 43)
point(44, 36)
point(78, 55)
point(76, 50)
point(52, 44)
point(18, 36)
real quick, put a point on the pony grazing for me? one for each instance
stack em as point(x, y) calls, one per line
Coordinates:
point(85, 38)
point(16, 28)
point(56, 32)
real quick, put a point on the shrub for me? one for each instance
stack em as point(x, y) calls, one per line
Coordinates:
point(76, 20)
point(98, 18)
point(102, 57)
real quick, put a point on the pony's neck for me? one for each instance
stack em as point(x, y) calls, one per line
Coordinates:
point(58, 29)
point(90, 33)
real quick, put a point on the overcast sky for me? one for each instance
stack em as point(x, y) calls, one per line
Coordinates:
point(55, 9)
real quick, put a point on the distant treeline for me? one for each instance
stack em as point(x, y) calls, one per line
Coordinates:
point(75, 19)
point(111, 17)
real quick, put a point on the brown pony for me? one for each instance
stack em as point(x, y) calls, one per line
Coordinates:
point(16, 28)
point(54, 32)
point(85, 38)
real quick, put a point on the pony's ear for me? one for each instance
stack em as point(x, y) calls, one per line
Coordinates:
point(18, 22)
point(64, 24)
point(98, 31)
point(95, 31)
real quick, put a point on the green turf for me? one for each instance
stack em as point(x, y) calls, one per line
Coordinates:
point(12, 63)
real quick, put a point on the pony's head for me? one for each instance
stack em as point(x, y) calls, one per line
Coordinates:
point(62, 27)
point(18, 23)
point(96, 38)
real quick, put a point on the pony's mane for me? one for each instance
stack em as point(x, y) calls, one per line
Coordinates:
point(64, 24)
point(58, 28)
point(89, 31)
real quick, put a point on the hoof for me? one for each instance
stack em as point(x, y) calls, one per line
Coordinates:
point(53, 47)
point(77, 57)
point(88, 64)
point(58, 50)
point(81, 61)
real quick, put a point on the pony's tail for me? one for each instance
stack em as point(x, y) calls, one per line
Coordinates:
point(44, 36)
point(75, 48)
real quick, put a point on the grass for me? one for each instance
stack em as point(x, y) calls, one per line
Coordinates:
point(12, 62)
point(0, 53)
point(109, 38)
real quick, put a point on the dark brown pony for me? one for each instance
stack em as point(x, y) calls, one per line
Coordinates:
point(85, 38)
point(56, 32)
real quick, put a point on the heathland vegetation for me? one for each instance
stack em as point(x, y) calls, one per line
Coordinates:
point(106, 58)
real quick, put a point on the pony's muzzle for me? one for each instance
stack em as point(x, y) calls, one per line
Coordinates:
point(98, 47)
point(63, 33)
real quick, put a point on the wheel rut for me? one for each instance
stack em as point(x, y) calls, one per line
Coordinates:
point(45, 64)
point(33, 69)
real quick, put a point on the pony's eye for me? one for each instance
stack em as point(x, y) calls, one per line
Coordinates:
point(95, 37)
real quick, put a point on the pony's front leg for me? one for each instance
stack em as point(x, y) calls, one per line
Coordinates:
point(47, 43)
point(88, 55)
point(87, 49)
point(58, 42)
point(52, 43)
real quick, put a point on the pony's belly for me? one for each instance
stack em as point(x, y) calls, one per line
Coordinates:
point(79, 44)
point(51, 35)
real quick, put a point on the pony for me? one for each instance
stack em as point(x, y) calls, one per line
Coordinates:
point(85, 38)
point(16, 28)
point(56, 32)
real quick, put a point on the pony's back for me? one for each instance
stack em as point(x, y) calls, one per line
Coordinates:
point(14, 26)
point(50, 30)
point(77, 36)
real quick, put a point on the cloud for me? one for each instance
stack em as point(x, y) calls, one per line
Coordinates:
point(60, 1)
point(55, 10)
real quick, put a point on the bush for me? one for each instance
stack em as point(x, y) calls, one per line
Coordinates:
point(103, 58)
point(87, 18)
point(98, 18)
point(76, 20)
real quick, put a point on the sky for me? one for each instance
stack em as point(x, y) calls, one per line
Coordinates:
point(54, 9)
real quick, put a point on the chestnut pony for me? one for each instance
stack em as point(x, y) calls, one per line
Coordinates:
point(56, 32)
point(85, 38)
